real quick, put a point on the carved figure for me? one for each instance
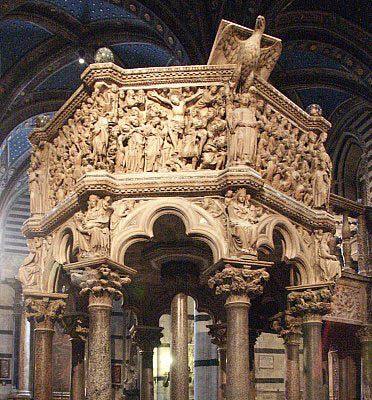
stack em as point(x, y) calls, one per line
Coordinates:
point(30, 270)
point(93, 227)
point(178, 108)
point(243, 219)
point(321, 186)
point(233, 47)
point(245, 130)
point(328, 263)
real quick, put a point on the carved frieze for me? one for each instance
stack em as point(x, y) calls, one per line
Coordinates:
point(347, 303)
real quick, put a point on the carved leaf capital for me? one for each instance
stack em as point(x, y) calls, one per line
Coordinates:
point(239, 281)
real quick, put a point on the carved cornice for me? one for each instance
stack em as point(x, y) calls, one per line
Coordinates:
point(178, 184)
point(148, 77)
point(340, 203)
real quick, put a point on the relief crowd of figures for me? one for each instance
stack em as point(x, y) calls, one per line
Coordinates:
point(169, 130)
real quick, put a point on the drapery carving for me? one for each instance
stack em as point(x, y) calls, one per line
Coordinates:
point(243, 217)
point(93, 227)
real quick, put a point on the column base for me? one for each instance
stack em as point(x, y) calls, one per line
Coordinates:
point(20, 394)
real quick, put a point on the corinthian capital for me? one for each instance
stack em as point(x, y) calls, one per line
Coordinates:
point(100, 281)
point(44, 310)
point(76, 325)
point(287, 326)
point(239, 281)
point(310, 301)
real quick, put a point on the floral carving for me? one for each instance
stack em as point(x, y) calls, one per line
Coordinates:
point(76, 325)
point(287, 326)
point(218, 332)
point(41, 310)
point(317, 301)
point(100, 281)
point(240, 281)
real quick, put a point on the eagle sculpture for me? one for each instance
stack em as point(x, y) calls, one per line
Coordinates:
point(253, 52)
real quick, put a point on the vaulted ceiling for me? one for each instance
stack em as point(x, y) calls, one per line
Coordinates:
point(326, 55)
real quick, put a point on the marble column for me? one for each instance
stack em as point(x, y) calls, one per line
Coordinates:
point(218, 333)
point(76, 325)
point(23, 390)
point(240, 284)
point(146, 338)
point(362, 245)
point(179, 372)
point(103, 286)
point(312, 331)
point(365, 338)
point(311, 304)
point(77, 385)
point(44, 312)
point(289, 328)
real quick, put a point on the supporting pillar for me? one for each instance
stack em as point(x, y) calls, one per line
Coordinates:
point(76, 325)
point(44, 312)
point(219, 333)
point(179, 373)
point(289, 328)
point(23, 390)
point(102, 285)
point(311, 304)
point(77, 386)
point(365, 337)
point(146, 338)
point(240, 284)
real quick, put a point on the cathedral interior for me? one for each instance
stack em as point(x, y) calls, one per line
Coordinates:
point(185, 270)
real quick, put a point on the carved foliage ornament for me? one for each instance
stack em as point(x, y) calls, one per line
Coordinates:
point(239, 281)
point(41, 310)
point(100, 281)
point(287, 326)
point(77, 326)
point(317, 301)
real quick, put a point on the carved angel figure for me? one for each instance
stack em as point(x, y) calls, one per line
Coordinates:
point(234, 45)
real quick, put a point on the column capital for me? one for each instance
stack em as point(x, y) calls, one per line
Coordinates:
point(45, 310)
point(218, 332)
point(102, 281)
point(288, 327)
point(239, 281)
point(146, 337)
point(310, 302)
point(76, 325)
point(364, 334)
